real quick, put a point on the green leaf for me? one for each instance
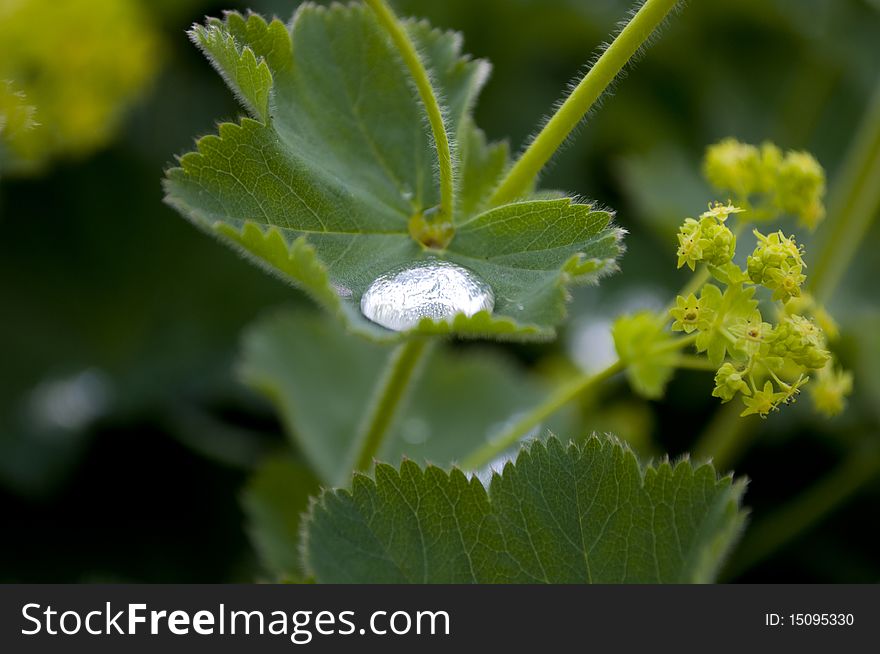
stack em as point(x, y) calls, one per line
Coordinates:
point(306, 363)
point(273, 500)
point(319, 186)
point(576, 514)
point(481, 167)
point(249, 77)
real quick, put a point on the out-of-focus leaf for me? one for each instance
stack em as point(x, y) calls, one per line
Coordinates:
point(274, 499)
point(322, 380)
point(642, 343)
point(321, 183)
point(576, 514)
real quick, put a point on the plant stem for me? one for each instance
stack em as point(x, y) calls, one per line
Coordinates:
point(854, 203)
point(558, 399)
point(726, 437)
point(692, 362)
point(416, 67)
point(811, 506)
point(695, 283)
point(390, 396)
point(581, 99)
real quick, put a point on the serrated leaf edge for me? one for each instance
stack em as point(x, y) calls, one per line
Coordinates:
point(704, 562)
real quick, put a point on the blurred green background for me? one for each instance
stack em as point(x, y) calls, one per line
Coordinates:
point(125, 436)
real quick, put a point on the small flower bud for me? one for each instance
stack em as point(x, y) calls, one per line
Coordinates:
point(777, 264)
point(689, 249)
point(830, 390)
point(800, 340)
point(728, 382)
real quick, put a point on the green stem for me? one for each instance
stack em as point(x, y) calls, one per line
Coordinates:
point(390, 396)
point(853, 205)
point(581, 99)
point(811, 506)
point(413, 62)
point(558, 399)
point(554, 402)
point(695, 283)
point(692, 362)
point(726, 437)
point(676, 344)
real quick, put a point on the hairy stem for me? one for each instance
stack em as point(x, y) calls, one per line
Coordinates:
point(391, 394)
point(811, 506)
point(564, 394)
point(853, 205)
point(558, 399)
point(416, 67)
point(582, 98)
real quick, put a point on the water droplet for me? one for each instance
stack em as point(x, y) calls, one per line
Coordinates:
point(434, 289)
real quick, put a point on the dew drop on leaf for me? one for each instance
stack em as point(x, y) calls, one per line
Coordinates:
point(433, 289)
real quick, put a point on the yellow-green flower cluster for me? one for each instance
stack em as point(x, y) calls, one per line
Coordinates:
point(800, 340)
point(708, 239)
point(755, 357)
point(777, 263)
point(792, 182)
point(741, 168)
point(763, 362)
point(80, 63)
point(801, 188)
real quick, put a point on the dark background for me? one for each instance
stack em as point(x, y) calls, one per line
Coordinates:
point(125, 437)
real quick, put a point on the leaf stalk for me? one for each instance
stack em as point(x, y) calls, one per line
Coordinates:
point(392, 392)
point(555, 401)
point(389, 21)
point(591, 87)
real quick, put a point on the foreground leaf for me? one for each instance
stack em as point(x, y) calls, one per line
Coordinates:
point(320, 184)
point(322, 380)
point(576, 514)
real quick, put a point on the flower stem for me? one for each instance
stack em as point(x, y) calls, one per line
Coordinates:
point(853, 205)
point(558, 399)
point(554, 402)
point(391, 394)
point(582, 98)
point(778, 528)
point(726, 437)
point(693, 362)
point(416, 67)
